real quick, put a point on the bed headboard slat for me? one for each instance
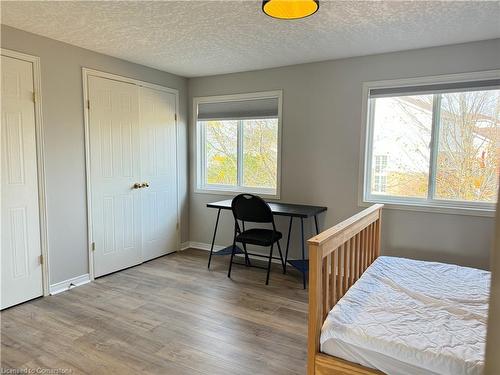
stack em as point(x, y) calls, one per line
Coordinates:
point(337, 258)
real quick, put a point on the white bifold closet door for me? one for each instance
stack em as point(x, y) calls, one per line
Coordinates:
point(20, 219)
point(159, 170)
point(133, 173)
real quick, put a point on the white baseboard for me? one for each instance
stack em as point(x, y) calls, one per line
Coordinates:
point(206, 247)
point(201, 246)
point(68, 284)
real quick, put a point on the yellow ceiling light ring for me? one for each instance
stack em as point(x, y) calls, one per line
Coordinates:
point(290, 9)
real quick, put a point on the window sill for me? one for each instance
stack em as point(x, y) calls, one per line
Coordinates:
point(233, 192)
point(426, 207)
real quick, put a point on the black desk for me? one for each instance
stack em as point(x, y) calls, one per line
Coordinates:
point(279, 209)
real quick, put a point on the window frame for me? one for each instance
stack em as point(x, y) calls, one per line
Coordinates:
point(200, 162)
point(428, 204)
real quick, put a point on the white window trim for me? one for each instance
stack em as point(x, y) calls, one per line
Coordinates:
point(413, 204)
point(199, 186)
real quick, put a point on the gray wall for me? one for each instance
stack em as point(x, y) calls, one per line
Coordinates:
point(61, 75)
point(320, 156)
point(321, 145)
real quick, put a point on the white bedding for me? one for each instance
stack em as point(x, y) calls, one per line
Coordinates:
point(412, 317)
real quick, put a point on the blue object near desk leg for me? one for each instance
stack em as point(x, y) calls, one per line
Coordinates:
point(228, 250)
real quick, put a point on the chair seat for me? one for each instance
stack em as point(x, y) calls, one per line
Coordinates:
point(260, 237)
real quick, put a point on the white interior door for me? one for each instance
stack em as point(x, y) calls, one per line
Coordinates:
point(114, 129)
point(159, 172)
point(20, 218)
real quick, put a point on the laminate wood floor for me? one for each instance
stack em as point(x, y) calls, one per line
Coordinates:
point(167, 316)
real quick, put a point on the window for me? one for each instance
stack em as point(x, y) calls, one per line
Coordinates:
point(238, 143)
point(435, 144)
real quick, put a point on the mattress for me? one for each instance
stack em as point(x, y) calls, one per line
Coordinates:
point(412, 317)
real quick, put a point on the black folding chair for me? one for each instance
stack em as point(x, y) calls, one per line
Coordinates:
point(253, 209)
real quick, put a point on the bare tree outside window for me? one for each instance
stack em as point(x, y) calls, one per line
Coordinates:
point(259, 152)
point(221, 140)
point(469, 141)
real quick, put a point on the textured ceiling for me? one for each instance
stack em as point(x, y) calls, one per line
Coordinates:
point(196, 38)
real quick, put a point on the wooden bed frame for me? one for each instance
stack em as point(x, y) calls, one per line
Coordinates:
point(337, 258)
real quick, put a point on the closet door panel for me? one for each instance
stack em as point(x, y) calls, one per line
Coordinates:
point(114, 128)
point(159, 172)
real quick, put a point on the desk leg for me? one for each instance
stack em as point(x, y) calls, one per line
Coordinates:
point(316, 224)
point(303, 250)
point(213, 238)
point(288, 241)
point(247, 259)
point(281, 256)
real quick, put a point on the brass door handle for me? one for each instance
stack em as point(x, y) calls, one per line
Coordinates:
point(144, 185)
point(136, 186)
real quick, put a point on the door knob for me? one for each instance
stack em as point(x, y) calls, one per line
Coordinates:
point(144, 185)
point(136, 186)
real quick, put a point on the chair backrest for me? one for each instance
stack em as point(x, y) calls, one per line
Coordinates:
point(251, 208)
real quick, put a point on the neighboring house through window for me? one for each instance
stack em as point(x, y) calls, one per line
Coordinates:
point(380, 176)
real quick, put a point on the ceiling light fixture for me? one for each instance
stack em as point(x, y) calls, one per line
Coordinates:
point(290, 9)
